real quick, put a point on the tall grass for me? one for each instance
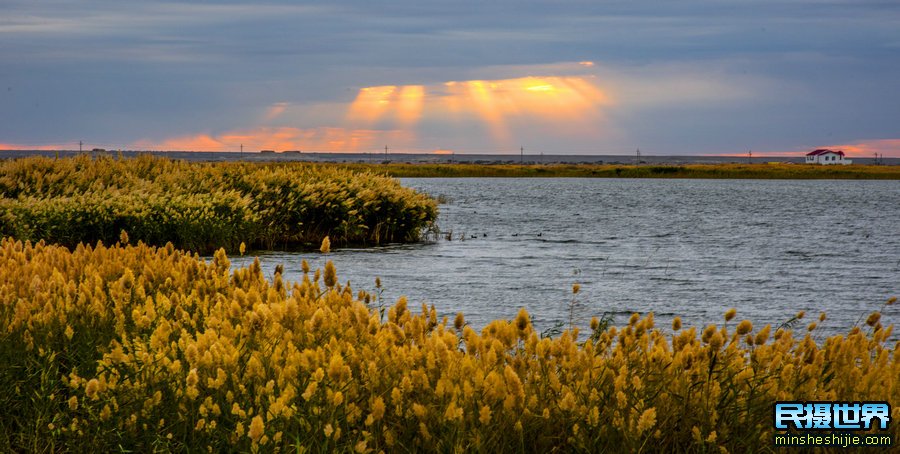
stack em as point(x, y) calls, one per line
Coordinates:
point(718, 171)
point(119, 347)
point(204, 206)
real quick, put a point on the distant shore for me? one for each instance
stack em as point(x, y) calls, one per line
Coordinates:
point(774, 171)
point(431, 158)
point(515, 166)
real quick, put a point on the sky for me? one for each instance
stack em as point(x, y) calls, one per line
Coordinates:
point(687, 77)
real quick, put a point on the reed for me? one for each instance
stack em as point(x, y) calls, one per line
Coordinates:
point(716, 171)
point(123, 347)
point(203, 206)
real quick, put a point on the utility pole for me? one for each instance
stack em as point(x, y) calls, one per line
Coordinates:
point(521, 155)
point(385, 151)
point(80, 144)
point(749, 156)
point(638, 156)
point(242, 151)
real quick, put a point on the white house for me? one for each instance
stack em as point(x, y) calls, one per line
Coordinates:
point(826, 157)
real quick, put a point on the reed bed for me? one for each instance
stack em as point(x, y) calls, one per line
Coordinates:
point(133, 347)
point(203, 206)
point(715, 171)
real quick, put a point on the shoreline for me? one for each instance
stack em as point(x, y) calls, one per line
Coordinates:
point(556, 166)
point(672, 171)
point(431, 158)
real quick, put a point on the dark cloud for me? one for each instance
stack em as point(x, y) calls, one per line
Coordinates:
point(777, 75)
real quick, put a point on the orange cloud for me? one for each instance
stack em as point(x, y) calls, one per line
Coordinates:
point(198, 142)
point(890, 148)
point(868, 148)
point(390, 115)
point(281, 139)
point(409, 109)
point(49, 147)
point(371, 104)
point(571, 102)
point(479, 97)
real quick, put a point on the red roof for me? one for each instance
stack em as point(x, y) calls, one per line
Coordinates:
point(822, 151)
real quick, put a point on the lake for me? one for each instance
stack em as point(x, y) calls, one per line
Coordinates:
point(692, 248)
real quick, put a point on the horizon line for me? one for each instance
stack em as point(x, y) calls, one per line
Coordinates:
point(771, 154)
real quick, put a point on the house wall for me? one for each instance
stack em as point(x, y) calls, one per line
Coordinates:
point(820, 159)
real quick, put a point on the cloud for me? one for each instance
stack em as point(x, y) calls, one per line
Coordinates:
point(690, 83)
point(695, 76)
point(333, 139)
point(66, 18)
point(276, 110)
point(403, 117)
point(890, 148)
point(868, 148)
point(546, 108)
point(571, 103)
point(21, 146)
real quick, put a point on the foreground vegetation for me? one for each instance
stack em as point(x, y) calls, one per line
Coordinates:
point(721, 171)
point(121, 347)
point(202, 206)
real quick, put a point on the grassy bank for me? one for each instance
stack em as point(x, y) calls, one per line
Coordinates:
point(201, 206)
point(722, 171)
point(120, 347)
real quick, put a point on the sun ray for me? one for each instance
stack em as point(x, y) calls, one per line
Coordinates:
point(372, 104)
point(482, 98)
point(409, 105)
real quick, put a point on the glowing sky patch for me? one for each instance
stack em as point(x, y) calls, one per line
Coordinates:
point(547, 87)
point(868, 148)
point(409, 105)
point(505, 111)
point(371, 104)
point(573, 100)
point(328, 139)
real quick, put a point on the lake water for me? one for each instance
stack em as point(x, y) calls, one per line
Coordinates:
point(692, 248)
